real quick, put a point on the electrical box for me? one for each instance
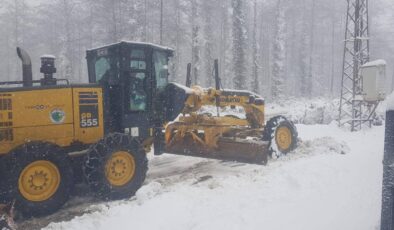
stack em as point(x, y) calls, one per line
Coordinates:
point(373, 76)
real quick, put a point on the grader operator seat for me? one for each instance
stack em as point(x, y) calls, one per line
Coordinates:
point(134, 78)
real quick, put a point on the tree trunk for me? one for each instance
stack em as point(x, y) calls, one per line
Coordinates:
point(208, 43)
point(195, 42)
point(255, 83)
point(239, 45)
point(277, 87)
point(311, 50)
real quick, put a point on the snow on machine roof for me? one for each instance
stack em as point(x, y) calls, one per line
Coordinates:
point(135, 43)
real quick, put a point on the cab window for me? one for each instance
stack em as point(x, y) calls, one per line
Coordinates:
point(101, 66)
point(138, 65)
point(137, 54)
point(137, 81)
point(137, 60)
point(160, 61)
point(138, 95)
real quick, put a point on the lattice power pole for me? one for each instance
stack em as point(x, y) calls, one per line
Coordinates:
point(353, 110)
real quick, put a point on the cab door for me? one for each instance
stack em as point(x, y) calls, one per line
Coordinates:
point(138, 89)
point(103, 68)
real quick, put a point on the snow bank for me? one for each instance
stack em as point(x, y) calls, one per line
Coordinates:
point(300, 111)
point(305, 111)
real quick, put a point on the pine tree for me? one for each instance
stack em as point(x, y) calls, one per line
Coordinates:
point(15, 23)
point(239, 45)
point(208, 40)
point(265, 40)
point(225, 44)
point(310, 78)
point(255, 82)
point(66, 7)
point(277, 87)
point(176, 63)
point(195, 40)
point(304, 54)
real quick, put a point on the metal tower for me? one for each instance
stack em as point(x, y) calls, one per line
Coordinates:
point(353, 110)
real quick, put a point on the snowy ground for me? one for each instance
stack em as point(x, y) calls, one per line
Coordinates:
point(331, 181)
point(316, 187)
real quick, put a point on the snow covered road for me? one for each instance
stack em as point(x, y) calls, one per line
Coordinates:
point(332, 181)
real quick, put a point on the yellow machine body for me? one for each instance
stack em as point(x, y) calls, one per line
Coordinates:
point(200, 97)
point(216, 136)
point(59, 115)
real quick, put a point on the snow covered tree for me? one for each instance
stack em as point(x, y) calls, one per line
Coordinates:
point(225, 44)
point(255, 50)
point(177, 40)
point(305, 82)
point(199, 31)
point(239, 45)
point(196, 40)
point(14, 23)
point(278, 71)
point(311, 49)
point(66, 7)
point(208, 41)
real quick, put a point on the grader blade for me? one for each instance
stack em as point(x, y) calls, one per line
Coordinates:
point(235, 149)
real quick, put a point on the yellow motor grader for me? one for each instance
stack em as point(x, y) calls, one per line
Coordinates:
point(54, 134)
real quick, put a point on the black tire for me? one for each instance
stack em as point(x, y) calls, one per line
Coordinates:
point(12, 167)
point(270, 135)
point(96, 160)
point(3, 186)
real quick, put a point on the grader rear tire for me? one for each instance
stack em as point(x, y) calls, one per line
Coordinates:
point(38, 177)
point(115, 167)
point(282, 136)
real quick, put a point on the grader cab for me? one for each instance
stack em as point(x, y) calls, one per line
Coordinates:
point(54, 134)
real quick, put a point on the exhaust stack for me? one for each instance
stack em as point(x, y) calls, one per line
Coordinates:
point(26, 67)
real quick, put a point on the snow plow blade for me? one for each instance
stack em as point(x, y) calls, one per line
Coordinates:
point(231, 149)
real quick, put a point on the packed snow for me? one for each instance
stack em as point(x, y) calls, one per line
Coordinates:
point(331, 181)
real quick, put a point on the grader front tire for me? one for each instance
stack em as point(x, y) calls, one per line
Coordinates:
point(282, 136)
point(115, 167)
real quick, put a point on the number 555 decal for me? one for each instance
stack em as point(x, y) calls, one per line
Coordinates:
point(88, 116)
point(88, 121)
